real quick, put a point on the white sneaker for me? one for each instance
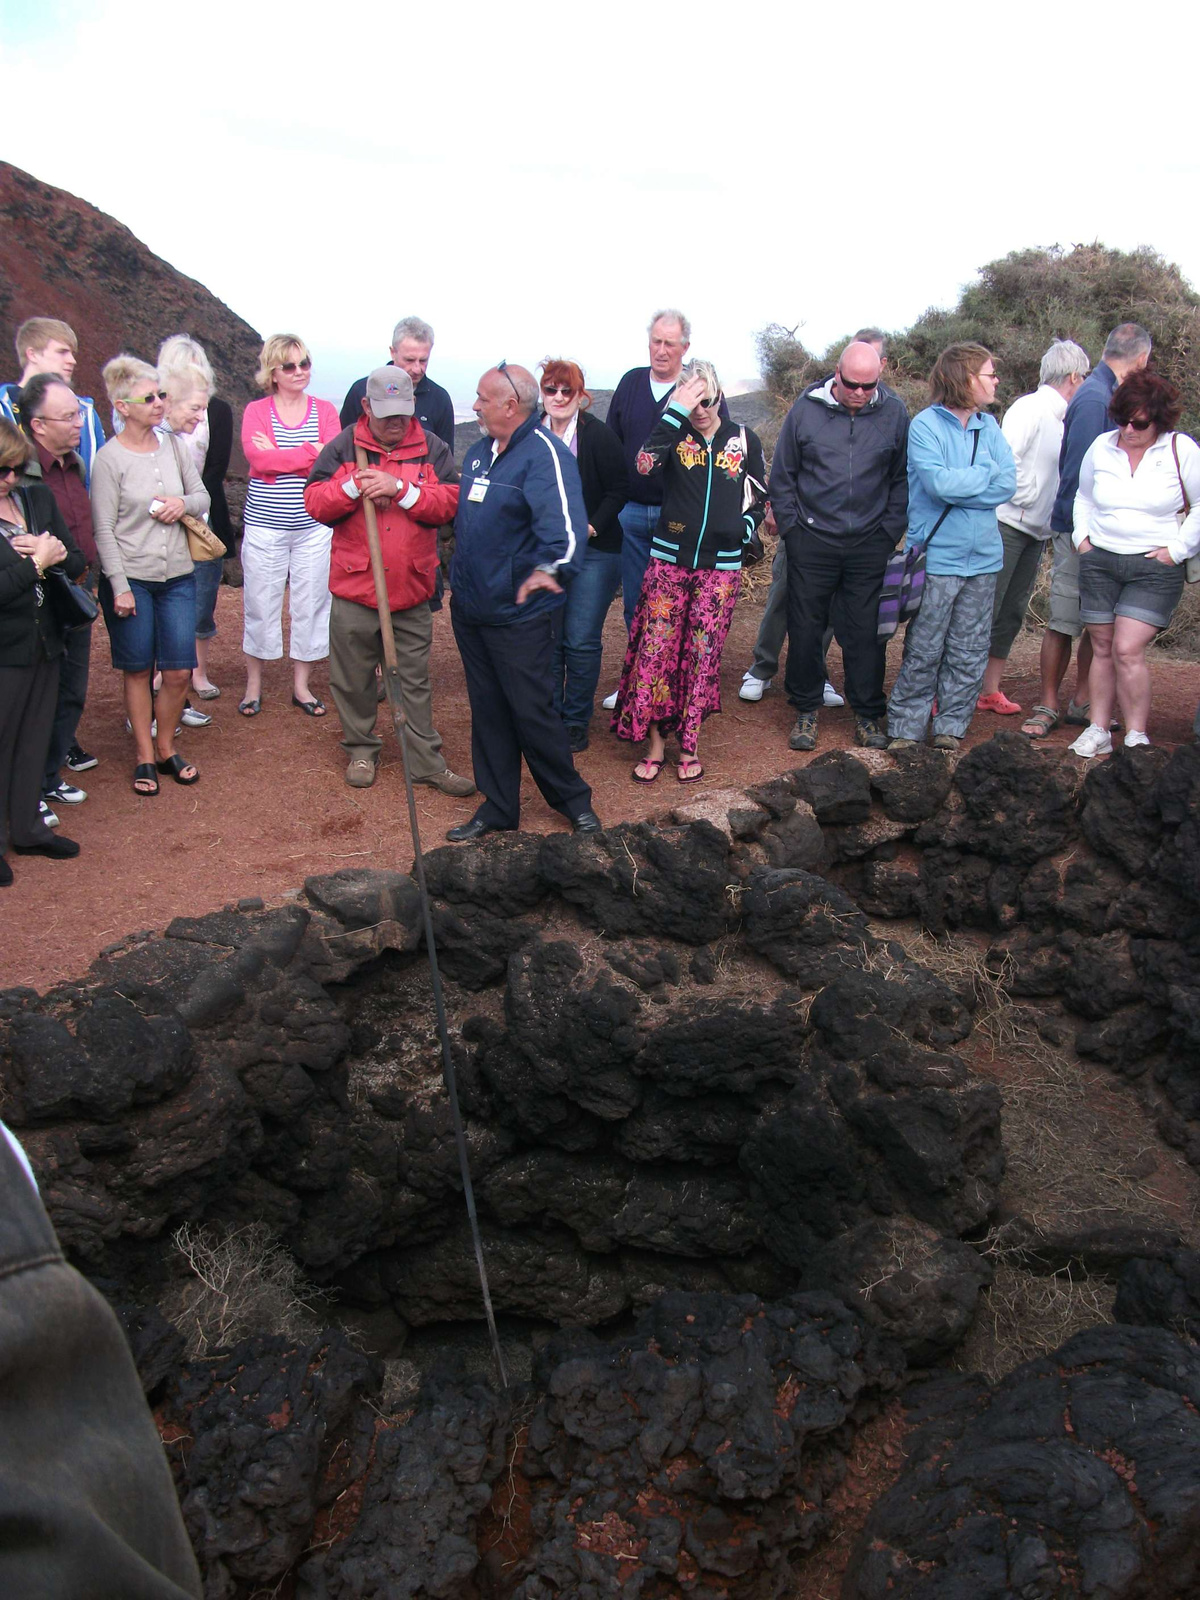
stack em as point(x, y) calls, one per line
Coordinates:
point(753, 688)
point(68, 793)
point(610, 701)
point(47, 816)
point(1135, 736)
point(1093, 741)
point(831, 697)
point(192, 718)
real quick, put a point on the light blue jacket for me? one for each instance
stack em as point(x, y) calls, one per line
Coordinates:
point(91, 436)
point(941, 475)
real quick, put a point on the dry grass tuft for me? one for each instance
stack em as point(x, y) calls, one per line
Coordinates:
point(242, 1283)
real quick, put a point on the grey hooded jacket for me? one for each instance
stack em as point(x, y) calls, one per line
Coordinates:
point(840, 476)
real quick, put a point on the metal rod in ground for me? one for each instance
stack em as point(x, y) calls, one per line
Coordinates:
point(391, 683)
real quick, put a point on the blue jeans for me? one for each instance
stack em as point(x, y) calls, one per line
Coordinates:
point(638, 523)
point(579, 631)
point(208, 580)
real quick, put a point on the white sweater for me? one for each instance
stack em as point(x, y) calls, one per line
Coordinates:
point(1033, 426)
point(1133, 512)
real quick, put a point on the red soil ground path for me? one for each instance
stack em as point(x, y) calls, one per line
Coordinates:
point(272, 806)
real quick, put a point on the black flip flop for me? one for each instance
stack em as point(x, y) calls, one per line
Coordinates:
point(250, 708)
point(145, 772)
point(176, 765)
point(310, 708)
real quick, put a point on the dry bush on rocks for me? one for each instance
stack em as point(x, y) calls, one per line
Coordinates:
point(242, 1283)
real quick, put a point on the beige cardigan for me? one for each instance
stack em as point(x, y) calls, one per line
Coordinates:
point(130, 542)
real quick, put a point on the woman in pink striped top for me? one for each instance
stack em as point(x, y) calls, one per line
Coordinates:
point(282, 546)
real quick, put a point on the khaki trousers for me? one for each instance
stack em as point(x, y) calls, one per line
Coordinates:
point(355, 650)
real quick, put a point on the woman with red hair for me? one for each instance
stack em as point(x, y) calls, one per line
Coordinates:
point(597, 449)
point(1137, 520)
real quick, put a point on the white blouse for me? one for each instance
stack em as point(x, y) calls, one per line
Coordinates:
point(1131, 512)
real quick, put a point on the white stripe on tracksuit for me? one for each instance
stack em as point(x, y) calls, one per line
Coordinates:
point(562, 495)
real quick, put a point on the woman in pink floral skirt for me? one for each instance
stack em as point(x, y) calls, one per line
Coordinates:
point(671, 678)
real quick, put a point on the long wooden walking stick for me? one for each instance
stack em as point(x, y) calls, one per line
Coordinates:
point(391, 681)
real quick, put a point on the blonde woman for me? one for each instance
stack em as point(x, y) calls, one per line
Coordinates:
point(282, 546)
point(141, 486)
point(186, 374)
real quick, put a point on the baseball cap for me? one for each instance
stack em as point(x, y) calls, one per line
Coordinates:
point(390, 391)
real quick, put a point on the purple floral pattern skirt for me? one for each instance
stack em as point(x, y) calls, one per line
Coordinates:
point(673, 664)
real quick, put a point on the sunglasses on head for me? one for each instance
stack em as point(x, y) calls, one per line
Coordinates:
point(291, 366)
point(502, 366)
point(146, 399)
point(563, 389)
point(860, 388)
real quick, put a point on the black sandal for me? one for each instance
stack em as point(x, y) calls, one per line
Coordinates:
point(175, 766)
point(145, 772)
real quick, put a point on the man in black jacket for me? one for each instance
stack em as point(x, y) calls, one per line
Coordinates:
point(839, 492)
point(412, 342)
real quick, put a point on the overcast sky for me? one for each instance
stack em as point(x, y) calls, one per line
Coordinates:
point(536, 180)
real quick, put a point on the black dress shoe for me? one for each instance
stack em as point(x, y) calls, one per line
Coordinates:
point(587, 822)
point(55, 846)
point(475, 829)
point(577, 739)
point(5, 873)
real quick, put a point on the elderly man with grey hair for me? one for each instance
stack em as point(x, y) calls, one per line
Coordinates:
point(1126, 350)
point(1033, 426)
point(412, 341)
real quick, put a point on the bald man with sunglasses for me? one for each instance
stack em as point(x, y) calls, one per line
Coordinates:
point(839, 491)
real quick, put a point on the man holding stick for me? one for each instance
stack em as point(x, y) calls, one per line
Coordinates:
point(412, 483)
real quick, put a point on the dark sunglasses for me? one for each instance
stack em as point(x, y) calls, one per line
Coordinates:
point(556, 388)
point(10, 472)
point(714, 401)
point(291, 366)
point(860, 388)
point(1139, 424)
point(146, 399)
point(502, 366)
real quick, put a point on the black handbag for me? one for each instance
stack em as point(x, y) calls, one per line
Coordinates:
point(71, 606)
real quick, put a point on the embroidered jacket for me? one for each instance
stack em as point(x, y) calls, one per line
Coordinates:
point(702, 525)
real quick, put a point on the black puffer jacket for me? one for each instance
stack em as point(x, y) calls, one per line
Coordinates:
point(841, 476)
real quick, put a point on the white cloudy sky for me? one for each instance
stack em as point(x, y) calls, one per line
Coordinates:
point(535, 180)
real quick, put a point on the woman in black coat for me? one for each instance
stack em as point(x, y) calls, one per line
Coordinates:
point(605, 489)
point(33, 542)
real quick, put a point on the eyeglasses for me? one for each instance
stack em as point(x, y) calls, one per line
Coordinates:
point(1139, 424)
point(44, 416)
point(502, 366)
point(145, 399)
point(292, 366)
point(989, 377)
point(555, 388)
point(861, 388)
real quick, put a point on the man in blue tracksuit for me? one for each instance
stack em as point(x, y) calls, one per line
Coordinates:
point(519, 536)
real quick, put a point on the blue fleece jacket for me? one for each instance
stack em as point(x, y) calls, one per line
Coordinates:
point(942, 478)
point(1086, 419)
point(520, 511)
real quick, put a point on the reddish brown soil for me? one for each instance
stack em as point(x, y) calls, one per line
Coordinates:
point(272, 806)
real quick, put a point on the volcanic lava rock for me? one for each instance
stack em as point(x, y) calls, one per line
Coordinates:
point(1119, 815)
point(915, 785)
point(259, 1439)
point(1162, 1294)
point(836, 786)
point(499, 876)
point(705, 1045)
point(695, 1457)
point(429, 1481)
point(907, 1281)
point(639, 879)
point(1078, 1474)
point(811, 930)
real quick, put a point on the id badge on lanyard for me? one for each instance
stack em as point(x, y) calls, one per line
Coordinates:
point(479, 489)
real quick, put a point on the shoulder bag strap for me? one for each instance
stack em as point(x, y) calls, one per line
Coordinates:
point(949, 509)
point(1187, 505)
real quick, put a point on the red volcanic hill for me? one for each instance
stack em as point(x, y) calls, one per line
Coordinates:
point(60, 257)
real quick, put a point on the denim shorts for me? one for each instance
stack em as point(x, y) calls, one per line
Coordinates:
point(1112, 585)
point(162, 631)
point(208, 581)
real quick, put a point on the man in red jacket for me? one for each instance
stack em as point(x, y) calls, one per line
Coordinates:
point(412, 482)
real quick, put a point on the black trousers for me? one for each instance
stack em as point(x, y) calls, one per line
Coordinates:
point(510, 684)
point(72, 695)
point(27, 700)
point(818, 574)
